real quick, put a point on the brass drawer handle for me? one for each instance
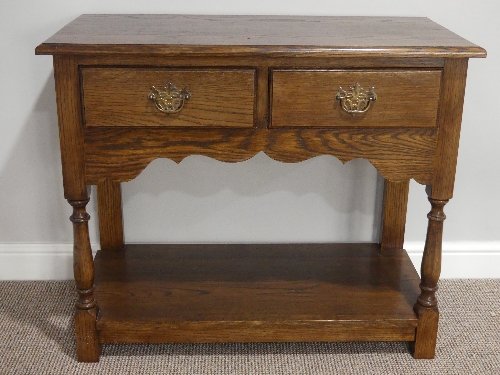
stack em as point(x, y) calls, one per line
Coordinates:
point(356, 100)
point(168, 98)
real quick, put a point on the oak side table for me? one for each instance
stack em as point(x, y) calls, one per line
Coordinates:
point(132, 88)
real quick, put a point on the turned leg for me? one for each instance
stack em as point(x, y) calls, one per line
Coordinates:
point(426, 307)
point(87, 344)
point(439, 192)
point(71, 136)
point(109, 208)
point(394, 214)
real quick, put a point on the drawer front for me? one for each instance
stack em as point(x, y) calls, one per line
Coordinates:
point(124, 97)
point(309, 98)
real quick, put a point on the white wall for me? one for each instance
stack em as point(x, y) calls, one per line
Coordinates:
point(259, 200)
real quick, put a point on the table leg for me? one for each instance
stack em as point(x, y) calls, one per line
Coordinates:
point(71, 134)
point(394, 214)
point(109, 208)
point(87, 344)
point(426, 307)
point(439, 193)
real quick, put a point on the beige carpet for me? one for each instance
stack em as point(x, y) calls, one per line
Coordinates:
point(36, 337)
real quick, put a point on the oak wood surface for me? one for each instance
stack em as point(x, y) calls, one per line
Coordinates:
point(424, 346)
point(426, 306)
point(405, 98)
point(398, 154)
point(287, 292)
point(208, 332)
point(245, 61)
point(394, 214)
point(449, 123)
point(87, 344)
point(69, 113)
point(119, 97)
point(77, 193)
point(109, 211)
point(439, 192)
point(262, 98)
point(285, 35)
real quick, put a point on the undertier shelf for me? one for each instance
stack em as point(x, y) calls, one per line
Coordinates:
point(255, 293)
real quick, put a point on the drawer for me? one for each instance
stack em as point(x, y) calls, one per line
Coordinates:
point(124, 97)
point(304, 98)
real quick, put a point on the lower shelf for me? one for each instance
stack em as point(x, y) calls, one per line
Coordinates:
point(255, 293)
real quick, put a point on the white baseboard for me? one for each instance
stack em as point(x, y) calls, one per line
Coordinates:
point(462, 259)
point(37, 261)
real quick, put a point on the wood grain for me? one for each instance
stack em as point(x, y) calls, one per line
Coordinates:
point(439, 192)
point(119, 97)
point(404, 98)
point(77, 194)
point(262, 98)
point(424, 346)
point(245, 61)
point(87, 345)
point(209, 293)
point(69, 113)
point(398, 154)
point(109, 210)
point(449, 122)
point(216, 332)
point(426, 306)
point(394, 214)
point(283, 35)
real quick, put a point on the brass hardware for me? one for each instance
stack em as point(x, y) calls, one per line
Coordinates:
point(169, 99)
point(357, 100)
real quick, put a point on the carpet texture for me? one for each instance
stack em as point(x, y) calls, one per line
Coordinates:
point(36, 337)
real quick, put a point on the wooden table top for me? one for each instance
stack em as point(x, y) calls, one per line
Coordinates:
point(284, 35)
